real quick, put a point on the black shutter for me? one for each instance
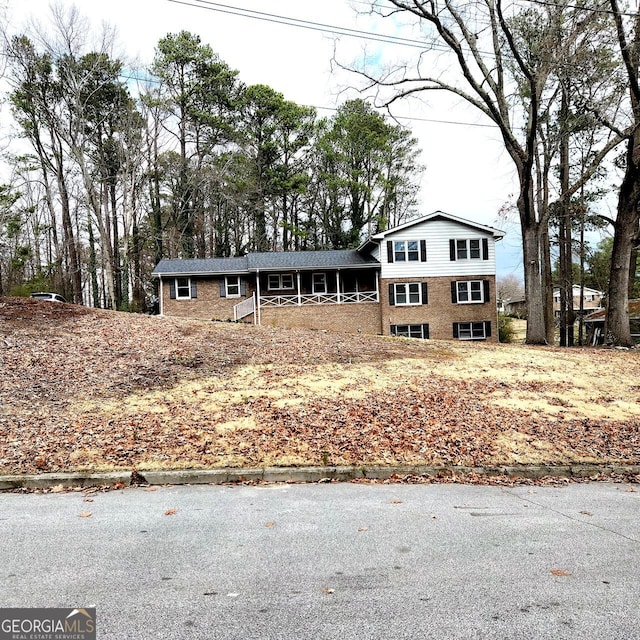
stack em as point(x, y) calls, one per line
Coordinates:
point(423, 250)
point(389, 250)
point(455, 330)
point(485, 249)
point(425, 293)
point(223, 288)
point(487, 289)
point(487, 329)
point(454, 292)
point(425, 331)
point(243, 287)
point(394, 329)
point(392, 297)
point(452, 250)
point(194, 289)
point(172, 289)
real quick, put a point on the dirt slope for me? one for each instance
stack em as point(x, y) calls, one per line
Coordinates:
point(83, 389)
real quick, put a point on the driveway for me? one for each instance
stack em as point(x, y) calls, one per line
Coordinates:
point(328, 561)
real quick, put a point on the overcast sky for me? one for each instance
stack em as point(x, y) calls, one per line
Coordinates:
point(467, 173)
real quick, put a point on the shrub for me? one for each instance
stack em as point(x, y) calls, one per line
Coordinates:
point(506, 332)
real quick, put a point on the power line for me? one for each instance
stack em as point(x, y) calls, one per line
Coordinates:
point(311, 106)
point(298, 22)
point(546, 3)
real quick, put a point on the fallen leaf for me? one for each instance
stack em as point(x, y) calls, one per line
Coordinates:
point(560, 572)
point(630, 491)
point(118, 485)
point(363, 529)
point(586, 513)
point(86, 514)
point(87, 499)
point(328, 591)
point(170, 512)
point(151, 488)
point(269, 524)
point(396, 502)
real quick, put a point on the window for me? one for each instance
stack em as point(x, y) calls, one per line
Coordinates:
point(319, 283)
point(280, 281)
point(232, 284)
point(471, 330)
point(470, 291)
point(407, 293)
point(406, 251)
point(469, 249)
point(410, 330)
point(183, 288)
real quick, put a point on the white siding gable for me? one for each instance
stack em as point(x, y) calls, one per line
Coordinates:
point(437, 233)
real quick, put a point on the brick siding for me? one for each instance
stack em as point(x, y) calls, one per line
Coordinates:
point(349, 318)
point(208, 305)
point(440, 313)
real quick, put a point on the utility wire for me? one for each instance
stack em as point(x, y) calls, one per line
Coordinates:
point(303, 24)
point(546, 3)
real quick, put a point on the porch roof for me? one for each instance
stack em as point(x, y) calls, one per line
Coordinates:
point(307, 260)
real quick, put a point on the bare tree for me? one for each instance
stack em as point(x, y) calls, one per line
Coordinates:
point(476, 51)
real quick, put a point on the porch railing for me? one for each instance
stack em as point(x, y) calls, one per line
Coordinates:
point(244, 308)
point(318, 298)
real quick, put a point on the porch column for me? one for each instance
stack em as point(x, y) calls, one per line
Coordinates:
point(377, 279)
point(161, 296)
point(258, 296)
point(338, 285)
point(299, 288)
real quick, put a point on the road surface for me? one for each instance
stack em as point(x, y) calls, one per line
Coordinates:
point(328, 561)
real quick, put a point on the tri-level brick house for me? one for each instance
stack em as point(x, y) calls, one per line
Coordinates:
point(433, 277)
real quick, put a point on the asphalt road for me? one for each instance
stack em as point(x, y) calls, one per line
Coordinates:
point(332, 561)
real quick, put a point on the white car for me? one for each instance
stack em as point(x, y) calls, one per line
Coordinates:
point(51, 297)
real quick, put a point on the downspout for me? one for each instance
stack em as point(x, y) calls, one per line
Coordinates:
point(299, 293)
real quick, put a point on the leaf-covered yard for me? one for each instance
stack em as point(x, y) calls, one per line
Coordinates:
point(82, 389)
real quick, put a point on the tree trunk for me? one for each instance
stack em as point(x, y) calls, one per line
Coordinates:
point(626, 229)
point(534, 285)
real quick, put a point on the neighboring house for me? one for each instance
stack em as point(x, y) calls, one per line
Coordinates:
point(591, 299)
point(516, 307)
point(433, 277)
point(595, 324)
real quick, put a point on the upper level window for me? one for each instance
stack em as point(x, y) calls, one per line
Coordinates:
point(406, 251)
point(469, 249)
point(280, 281)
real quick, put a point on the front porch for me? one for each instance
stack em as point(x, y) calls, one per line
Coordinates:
point(305, 288)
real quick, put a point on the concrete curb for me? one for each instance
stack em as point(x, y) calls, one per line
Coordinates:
point(305, 474)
